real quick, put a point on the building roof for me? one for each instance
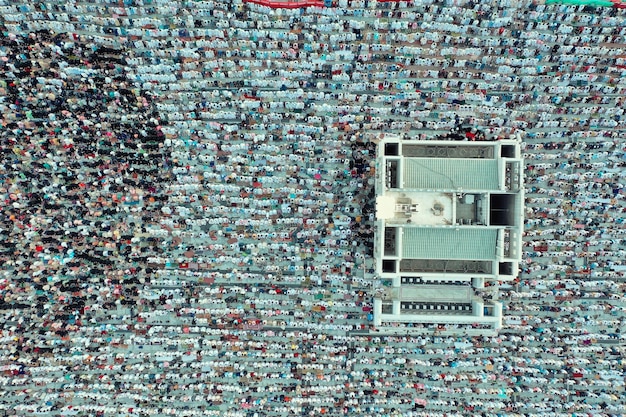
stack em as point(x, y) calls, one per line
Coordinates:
point(450, 174)
point(466, 243)
point(435, 293)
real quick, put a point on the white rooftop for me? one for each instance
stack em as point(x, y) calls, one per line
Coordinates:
point(420, 208)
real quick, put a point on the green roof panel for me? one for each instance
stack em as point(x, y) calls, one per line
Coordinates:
point(449, 243)
point(450, 174)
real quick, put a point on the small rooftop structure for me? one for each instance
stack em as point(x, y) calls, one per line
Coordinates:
point(449, 219)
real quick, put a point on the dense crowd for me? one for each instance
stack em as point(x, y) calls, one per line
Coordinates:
point(187, 206)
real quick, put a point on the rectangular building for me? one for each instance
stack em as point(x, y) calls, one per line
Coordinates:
point(449, 222)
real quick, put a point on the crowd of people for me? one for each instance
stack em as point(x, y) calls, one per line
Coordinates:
point(188, 220)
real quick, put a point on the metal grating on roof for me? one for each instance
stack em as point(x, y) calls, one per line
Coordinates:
point(447, 151)
point(457, 243)
point(458, 266)
point(450, 174)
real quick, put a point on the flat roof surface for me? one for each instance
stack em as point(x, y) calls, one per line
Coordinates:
point(450, 150)
point(388, 207)
point(450, 174)
point(467, 243)
point(436, 293)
